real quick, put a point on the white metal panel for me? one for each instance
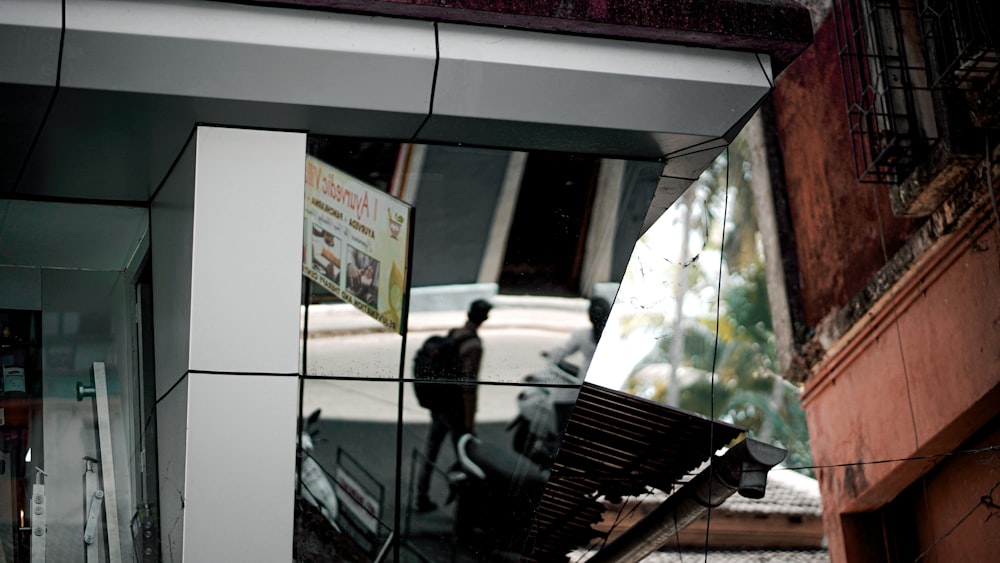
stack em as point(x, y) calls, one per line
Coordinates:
point(29, 56)
point(29, 41)
point(172, 230)
point(137, 74)
point(247, 265)
point(235, 52)
point(512, 75)
point(171, 452)
point(240, 467)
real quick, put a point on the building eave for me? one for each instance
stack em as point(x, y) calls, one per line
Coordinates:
point(779, 28)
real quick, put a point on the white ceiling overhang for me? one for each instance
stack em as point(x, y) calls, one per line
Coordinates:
point(129, 80)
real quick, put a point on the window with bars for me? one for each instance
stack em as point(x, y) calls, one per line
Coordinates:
point(890, 112)
point(961, 38)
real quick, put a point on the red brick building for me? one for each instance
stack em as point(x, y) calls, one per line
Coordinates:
point(883, 159)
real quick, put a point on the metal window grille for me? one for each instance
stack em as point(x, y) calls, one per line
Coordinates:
point(879, 84)
point(961, 38)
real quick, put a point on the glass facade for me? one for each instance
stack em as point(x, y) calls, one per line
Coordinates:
point(693, 296)
point(533, 234)
point(128, 226)
point(379, 476)
point(77, 436)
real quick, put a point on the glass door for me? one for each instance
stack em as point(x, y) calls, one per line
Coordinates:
point(20, 430)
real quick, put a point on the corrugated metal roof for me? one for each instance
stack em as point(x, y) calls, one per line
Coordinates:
point(616, 445)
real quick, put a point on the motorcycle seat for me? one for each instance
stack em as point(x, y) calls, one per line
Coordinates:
point(492, 463)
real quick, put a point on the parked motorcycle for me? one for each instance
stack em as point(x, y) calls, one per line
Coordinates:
point(544, 411)
point(497, 491)
point(316, 487)
point(318, 536)
point(498, 488)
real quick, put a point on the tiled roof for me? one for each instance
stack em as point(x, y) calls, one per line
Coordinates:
point(788, 492)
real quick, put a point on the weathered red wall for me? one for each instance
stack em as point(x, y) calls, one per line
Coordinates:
point(954, 494)
point(834, 217)
point(942, 360)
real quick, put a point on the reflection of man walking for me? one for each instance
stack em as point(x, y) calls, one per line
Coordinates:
point(584, 341)
point(458, 418)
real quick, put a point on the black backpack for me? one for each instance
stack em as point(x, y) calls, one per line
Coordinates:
point(437, 360)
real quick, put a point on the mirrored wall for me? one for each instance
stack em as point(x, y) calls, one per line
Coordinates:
point(78, 466)
point(533, 235)
point(537, 236)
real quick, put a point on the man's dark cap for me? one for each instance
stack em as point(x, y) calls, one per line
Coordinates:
point(479, 310)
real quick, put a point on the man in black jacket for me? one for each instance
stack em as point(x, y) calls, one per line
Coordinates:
point(458, 419)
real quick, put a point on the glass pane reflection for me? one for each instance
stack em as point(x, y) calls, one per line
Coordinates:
point(344, 342)
point(692, 323)
point(534, 234)
point(480, 504)
point(347, 470)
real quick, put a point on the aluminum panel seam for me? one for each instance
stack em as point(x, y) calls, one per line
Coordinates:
point(518, 76)
point(262, 54)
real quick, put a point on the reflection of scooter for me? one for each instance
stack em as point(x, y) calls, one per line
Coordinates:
point(497, 491)
point(323, 525)
point(316, 488)
point(318, 537)
point(544, 411)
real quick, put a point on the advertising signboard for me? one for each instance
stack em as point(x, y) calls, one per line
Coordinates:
point(356, 242)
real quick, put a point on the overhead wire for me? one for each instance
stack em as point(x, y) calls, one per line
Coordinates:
point(985, 500)
point(926, 457)
point(715, 352)
point(989, 179)
point(894, 306)
point(895, 317)
point(619, 518)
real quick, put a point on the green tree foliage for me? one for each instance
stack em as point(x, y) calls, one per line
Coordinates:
point(746, 390)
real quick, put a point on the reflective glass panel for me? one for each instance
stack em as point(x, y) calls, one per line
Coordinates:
point(533, 234)
point(691, 325)
point(347, 469)
point(472, 498)
point(508, 248)
point(73, 443)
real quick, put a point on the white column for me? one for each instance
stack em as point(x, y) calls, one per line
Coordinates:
point(230, 420)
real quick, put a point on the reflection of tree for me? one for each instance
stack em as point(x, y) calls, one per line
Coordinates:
point(747, 389)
